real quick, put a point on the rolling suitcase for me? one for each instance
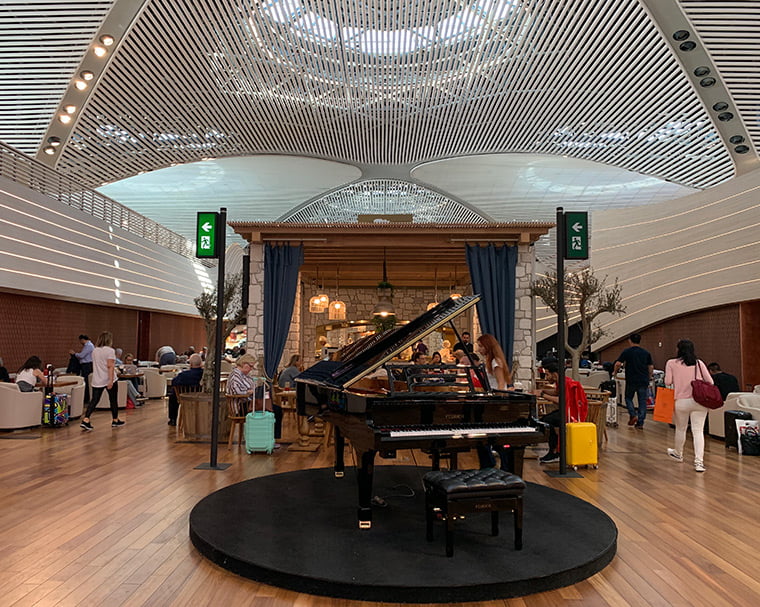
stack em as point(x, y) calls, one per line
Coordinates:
point(729, 423)
point(55, 410)
point(259, 430)
point(581, 448)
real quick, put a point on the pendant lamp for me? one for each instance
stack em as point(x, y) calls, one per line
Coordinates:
point(435, 301)
point(337, 310)
point(384, 306)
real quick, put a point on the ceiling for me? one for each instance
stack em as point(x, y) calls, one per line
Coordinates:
point(271, 108)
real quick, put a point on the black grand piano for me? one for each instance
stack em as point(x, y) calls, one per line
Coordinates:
point(381, 406)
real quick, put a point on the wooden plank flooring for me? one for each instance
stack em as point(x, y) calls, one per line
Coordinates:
point(100, 518)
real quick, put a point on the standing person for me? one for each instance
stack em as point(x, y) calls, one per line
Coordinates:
point(497, 368)
point(726, 382)
point(29, 374)
point(638, 373)
point(103, 378)
point(465, 344)
point(680, 372)
point(84, 356)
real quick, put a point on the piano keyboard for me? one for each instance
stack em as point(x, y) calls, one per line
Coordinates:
point(473, 431)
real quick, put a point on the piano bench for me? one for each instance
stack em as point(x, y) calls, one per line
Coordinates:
point(454, 493)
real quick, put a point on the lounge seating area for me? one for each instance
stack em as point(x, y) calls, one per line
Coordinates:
point(19, 409)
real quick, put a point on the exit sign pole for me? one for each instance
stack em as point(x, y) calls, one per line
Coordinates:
point(576, 235)
point(207, 236)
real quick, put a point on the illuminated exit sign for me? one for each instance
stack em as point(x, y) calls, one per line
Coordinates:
point(206, 235)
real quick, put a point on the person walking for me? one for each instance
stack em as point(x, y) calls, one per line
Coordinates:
point(680, 372)
point(638, 373)
point(103, 378)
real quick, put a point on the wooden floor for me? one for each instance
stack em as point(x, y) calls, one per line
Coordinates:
point(100, 518)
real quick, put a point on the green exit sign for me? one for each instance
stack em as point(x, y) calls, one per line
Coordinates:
point(576, 235)
point(206, 235)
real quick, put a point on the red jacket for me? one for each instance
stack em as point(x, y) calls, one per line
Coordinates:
point(576, 403)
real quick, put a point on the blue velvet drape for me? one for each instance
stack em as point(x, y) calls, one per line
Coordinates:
point(492, 270)
point(281, 265)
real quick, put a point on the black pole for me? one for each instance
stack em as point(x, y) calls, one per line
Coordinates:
point(561, 336)
point(221, 244)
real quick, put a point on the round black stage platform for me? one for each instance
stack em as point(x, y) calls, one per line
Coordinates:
point(299, 531)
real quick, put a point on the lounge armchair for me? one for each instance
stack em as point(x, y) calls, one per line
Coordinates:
point(19, 409)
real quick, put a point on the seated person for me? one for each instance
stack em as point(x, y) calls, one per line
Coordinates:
point(189, 377)
point(289, 373)
point(4, 376)
point(166, 355)
point(30, 374)
point(241, 383)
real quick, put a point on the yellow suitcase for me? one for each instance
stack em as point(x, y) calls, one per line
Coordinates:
point(581, 444)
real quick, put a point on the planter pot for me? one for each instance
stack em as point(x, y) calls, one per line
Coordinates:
point(194, 420)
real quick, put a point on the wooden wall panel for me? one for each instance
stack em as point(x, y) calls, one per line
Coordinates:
point(49, 328)
point(750, 345)
point(715, 333)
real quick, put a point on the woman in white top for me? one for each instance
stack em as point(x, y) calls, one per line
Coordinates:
point(497, 368)
point(680, 372)
point(103, 378)
point(29, 374)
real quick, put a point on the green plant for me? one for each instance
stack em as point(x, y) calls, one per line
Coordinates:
point(384, 323)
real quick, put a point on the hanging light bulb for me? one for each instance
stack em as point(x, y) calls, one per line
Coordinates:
point(337, 310)
point(384, 306)
point(435, 302)
point(315, 302)
point(454, 294)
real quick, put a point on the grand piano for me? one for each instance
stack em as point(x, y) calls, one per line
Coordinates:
point(381, 406)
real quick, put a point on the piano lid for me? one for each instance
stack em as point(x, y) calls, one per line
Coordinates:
point(383, 347)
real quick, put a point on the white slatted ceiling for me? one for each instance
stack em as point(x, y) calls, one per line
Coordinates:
point(41, 45)
point(212, 78)
point(731, 33)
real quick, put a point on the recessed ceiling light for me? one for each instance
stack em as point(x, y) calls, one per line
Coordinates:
point(702, 70)
point(99, 51)
point(741, 149)
point(689, 45)
point(80, 84)
point(736, 139)
point(106, 40)
point(64, 118)
point(87, 75)
point(70, 109)
point(49, 150)
point(725, 116)
point(56, 141)
point(680, 35)
point(720, 106)
point(709, 81)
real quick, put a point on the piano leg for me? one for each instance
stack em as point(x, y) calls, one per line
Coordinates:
point(339, 444)
point(366, 460)
point(512, 459)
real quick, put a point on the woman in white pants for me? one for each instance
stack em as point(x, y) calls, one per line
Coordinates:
point(680, 372)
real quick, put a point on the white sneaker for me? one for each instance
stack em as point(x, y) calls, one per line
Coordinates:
point(675, 455)
point(699, 466)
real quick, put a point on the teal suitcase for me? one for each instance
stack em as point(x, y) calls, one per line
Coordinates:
point(259, 432)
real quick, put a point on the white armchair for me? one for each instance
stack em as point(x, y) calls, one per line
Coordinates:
point(74, 393)
point(19, 409)
point(735, 401)
point(154, 384)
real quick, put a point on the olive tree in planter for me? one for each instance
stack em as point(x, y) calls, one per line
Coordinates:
point(586, 297)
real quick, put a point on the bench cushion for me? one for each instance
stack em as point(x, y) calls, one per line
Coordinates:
point(483, 481)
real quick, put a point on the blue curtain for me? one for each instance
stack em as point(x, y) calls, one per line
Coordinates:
point(492, 270)
point(281, 265)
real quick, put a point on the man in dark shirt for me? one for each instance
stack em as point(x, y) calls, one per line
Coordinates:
point(638, 373)
point(464, 345)
point(726, 382)
point(190, 377)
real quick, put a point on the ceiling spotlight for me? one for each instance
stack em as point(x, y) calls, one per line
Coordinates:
point(709, 81)
point(741, 149)
point(64, 118)
point(49, 150)
point(735, 139)
point(56, 141)
point(80, 84)
point(106, 40)
point(70, 109)
point(725, 116)
point(680, 35)
point(689, 45)
point(701, 71)
point(100, 51)
point(87, 75)
point(720, 106)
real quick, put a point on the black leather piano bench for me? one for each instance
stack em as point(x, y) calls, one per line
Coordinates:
point(450, 494)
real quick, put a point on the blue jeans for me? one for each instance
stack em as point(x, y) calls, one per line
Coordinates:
point(642, 392)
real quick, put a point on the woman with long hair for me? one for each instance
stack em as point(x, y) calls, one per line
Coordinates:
point(680, 372)
point(29, 374)
point(289, 373)
point(103, 378)
point(497, 369)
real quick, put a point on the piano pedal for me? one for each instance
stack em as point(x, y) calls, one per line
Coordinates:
point(338, 474)
point(388, 454)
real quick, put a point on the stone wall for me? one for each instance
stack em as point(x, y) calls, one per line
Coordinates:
point(524, 337)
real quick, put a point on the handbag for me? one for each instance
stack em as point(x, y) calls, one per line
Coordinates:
point(750, 439)
point(664, 405)
point(704, 393)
